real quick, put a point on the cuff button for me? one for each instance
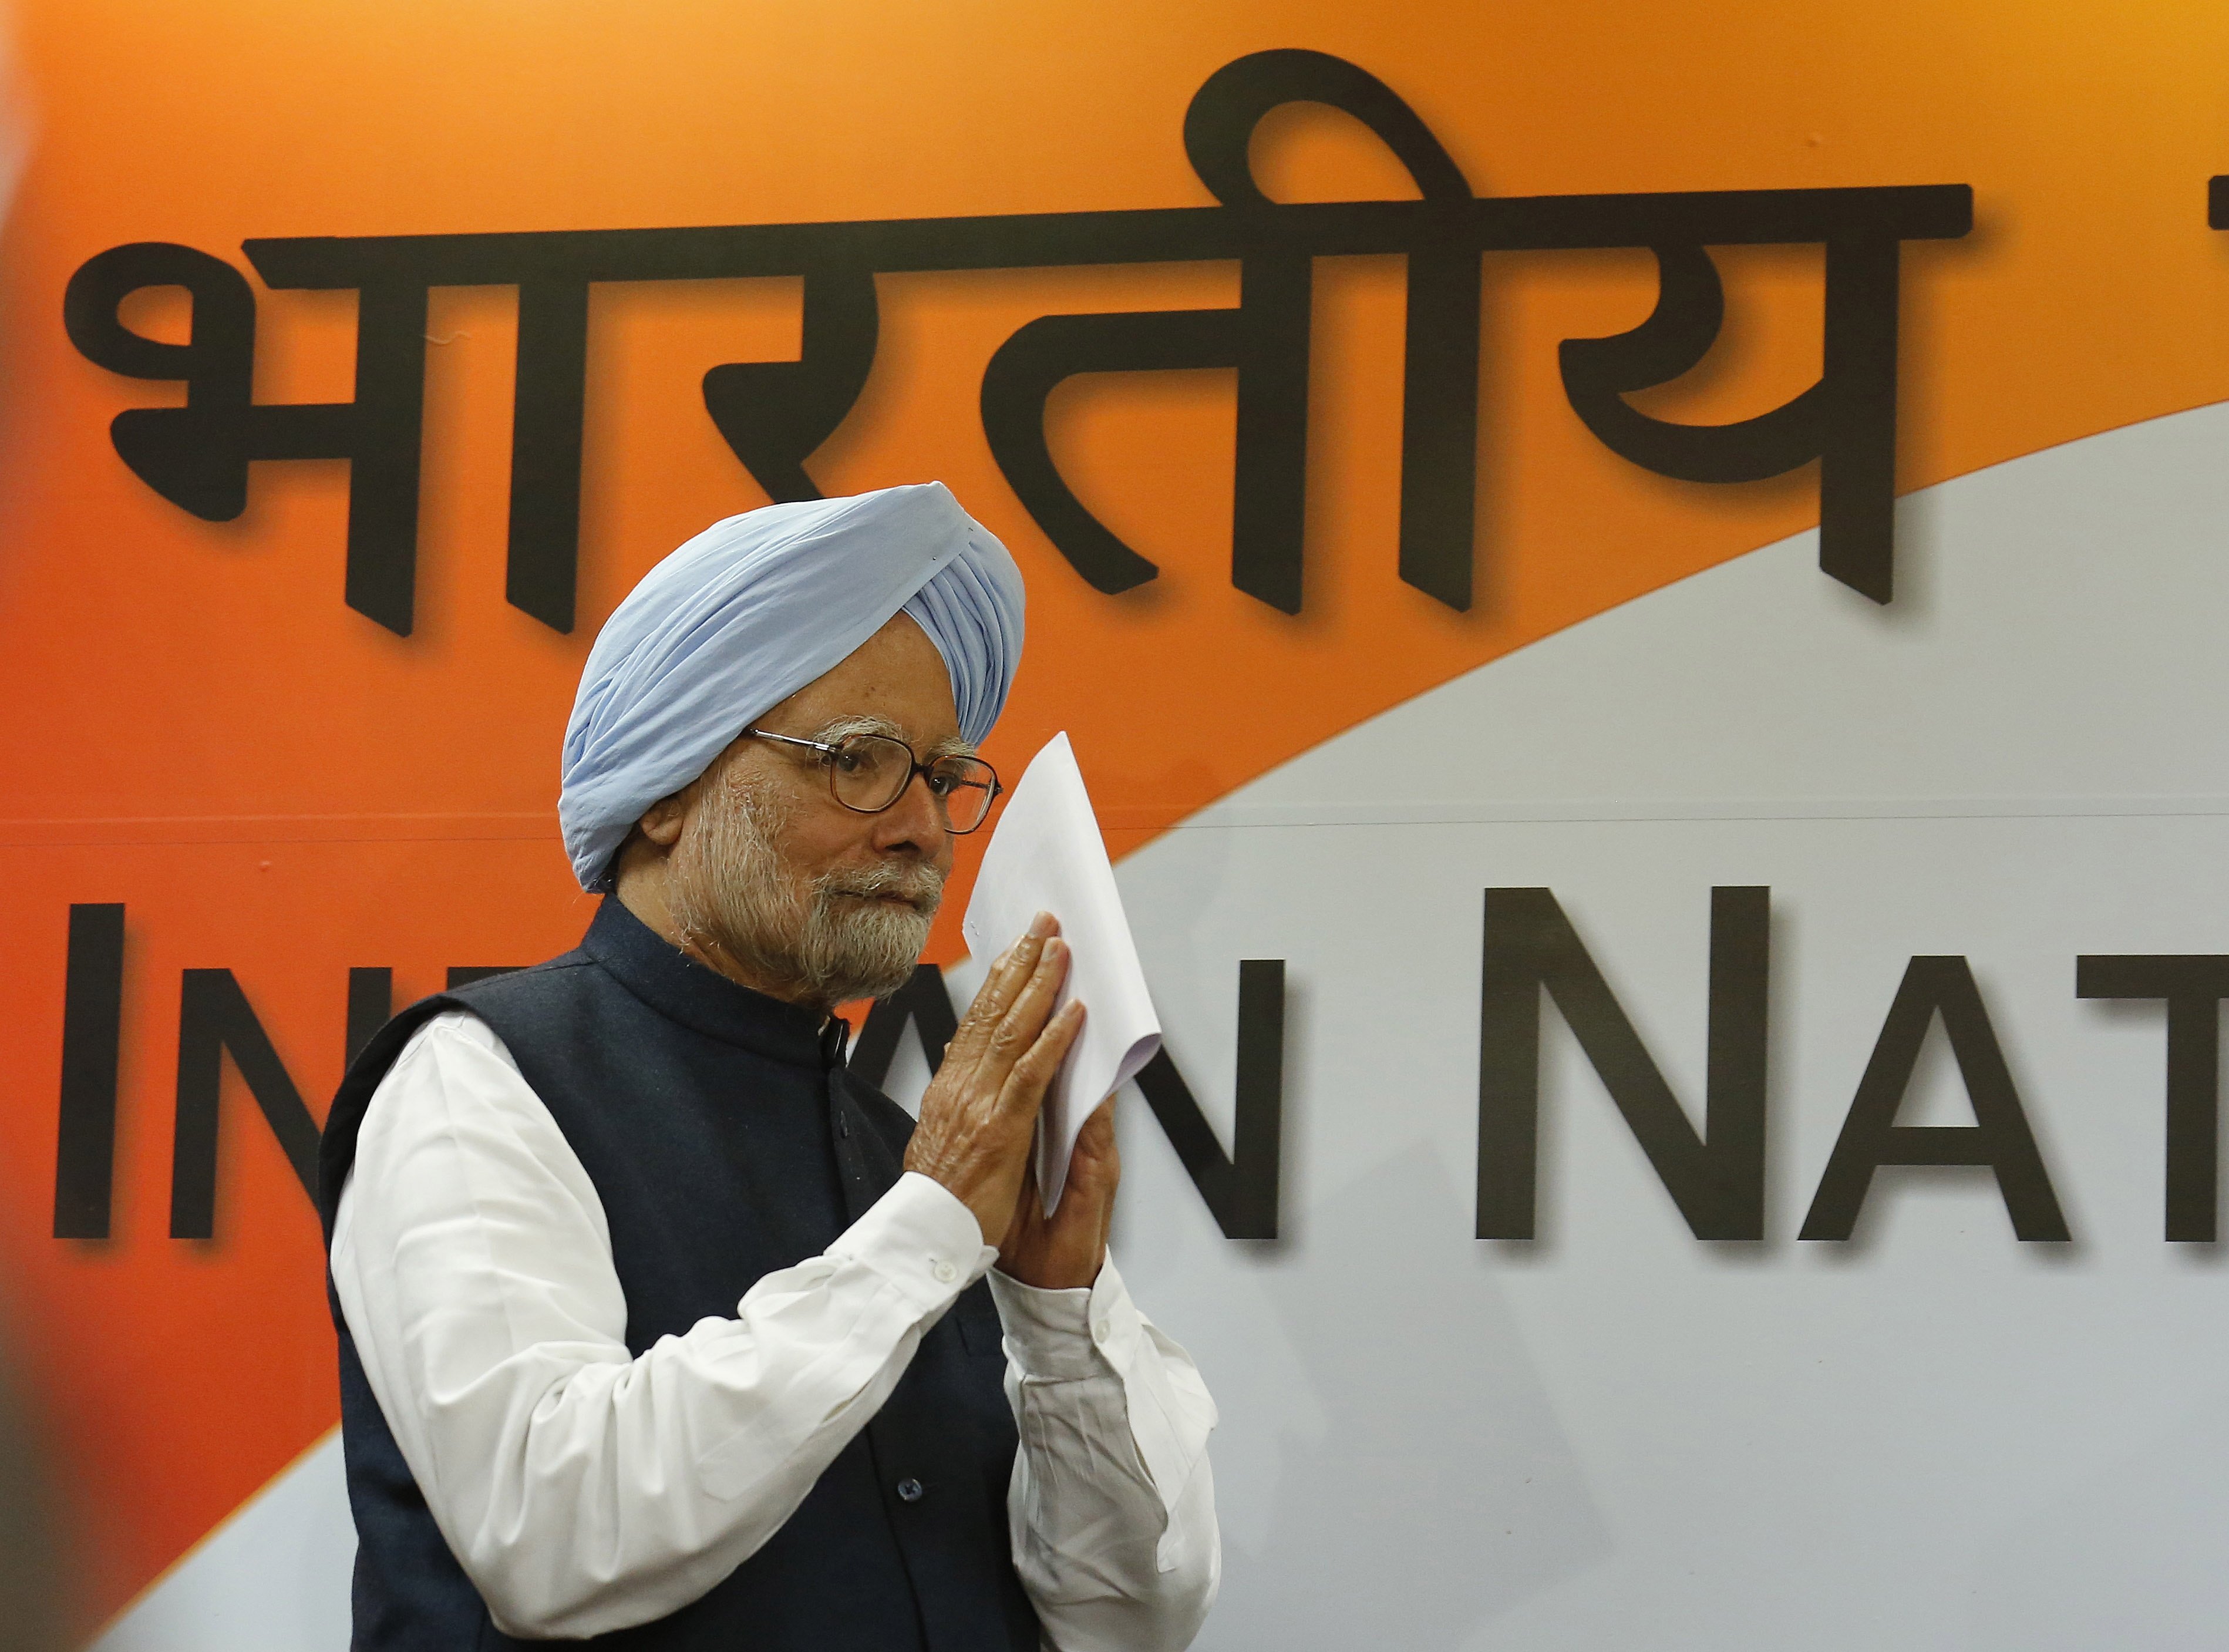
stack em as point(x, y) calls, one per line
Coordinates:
point(945, 1272)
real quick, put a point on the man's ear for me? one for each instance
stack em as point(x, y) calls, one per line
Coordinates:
point(661, 822)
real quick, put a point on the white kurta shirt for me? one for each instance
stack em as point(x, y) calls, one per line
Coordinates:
point(584, 1489)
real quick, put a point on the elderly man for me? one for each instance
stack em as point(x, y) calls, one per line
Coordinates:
point(655, 1323)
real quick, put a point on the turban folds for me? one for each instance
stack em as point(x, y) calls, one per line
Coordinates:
point(750, 611)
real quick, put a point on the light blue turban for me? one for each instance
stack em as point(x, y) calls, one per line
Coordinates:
point(750, 611)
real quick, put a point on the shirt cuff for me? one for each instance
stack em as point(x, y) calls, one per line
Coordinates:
point(1063, 1335)
point(921, 1240)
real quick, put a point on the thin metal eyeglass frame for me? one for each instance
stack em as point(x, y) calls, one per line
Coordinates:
point(829, 749)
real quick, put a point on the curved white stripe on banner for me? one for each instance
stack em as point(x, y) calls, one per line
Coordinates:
point(1934, 1437)
point(2057, 633)
point(274, 1578)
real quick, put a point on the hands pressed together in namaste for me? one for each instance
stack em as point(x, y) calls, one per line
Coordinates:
point(979, 1112)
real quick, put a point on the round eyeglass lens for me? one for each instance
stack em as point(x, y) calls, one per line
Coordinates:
point(870, 771)
point(867, 771)
point(965, 787)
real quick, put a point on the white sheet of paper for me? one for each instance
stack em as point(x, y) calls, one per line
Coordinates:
point(1047, 856)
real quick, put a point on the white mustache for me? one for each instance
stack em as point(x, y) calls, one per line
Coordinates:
point(920, 887)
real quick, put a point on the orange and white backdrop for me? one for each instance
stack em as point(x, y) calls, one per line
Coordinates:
point(1730, 1157)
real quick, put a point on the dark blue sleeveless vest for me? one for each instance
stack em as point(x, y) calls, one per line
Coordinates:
point(726, 1140)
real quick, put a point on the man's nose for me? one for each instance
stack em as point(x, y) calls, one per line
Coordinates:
point(914, 819)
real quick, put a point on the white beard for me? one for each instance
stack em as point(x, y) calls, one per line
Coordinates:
point(730, 885)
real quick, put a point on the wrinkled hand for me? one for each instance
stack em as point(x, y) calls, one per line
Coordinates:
point(980, 1110)
point(1064, 1252)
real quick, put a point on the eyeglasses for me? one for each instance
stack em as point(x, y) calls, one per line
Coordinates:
point(868, 773)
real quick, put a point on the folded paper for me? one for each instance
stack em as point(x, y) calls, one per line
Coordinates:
point(1047, 856)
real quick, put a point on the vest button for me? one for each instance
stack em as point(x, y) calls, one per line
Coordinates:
point(910, 1491)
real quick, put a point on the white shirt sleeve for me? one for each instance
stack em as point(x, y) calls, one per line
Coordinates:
point(583, 1489)
point(1112, 1506)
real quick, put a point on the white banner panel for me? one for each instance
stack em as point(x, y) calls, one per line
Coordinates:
point(1931, 1436)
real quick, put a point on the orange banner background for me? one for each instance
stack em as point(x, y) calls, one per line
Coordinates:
point(198, 727)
